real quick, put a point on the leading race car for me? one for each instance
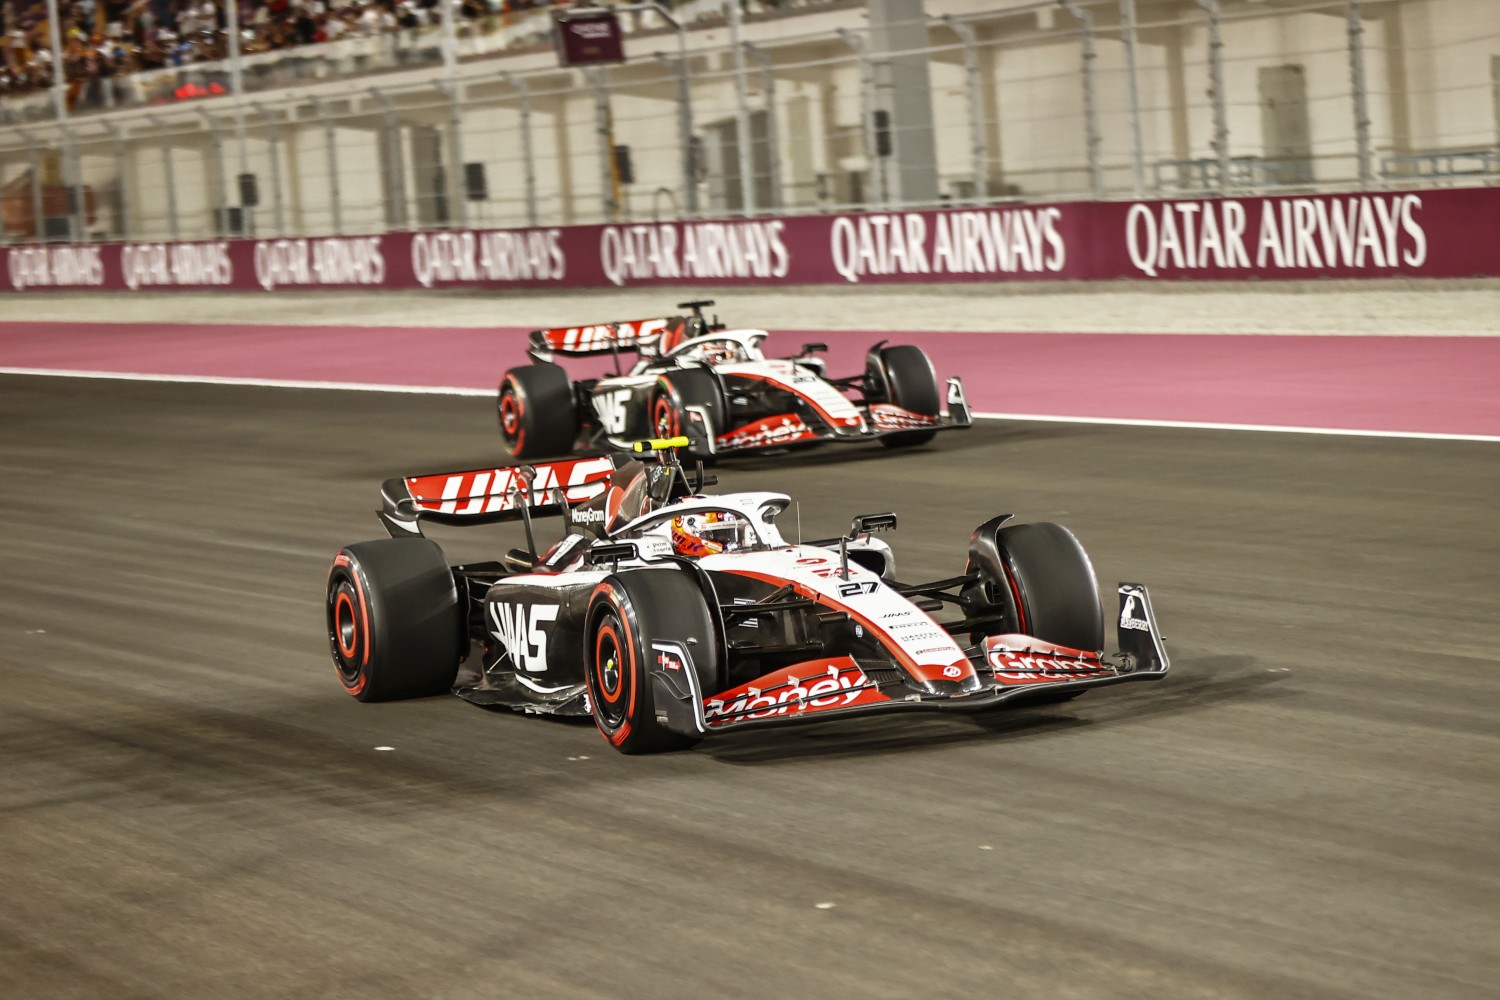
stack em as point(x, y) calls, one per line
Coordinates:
point(714, 385)
point(671, 615)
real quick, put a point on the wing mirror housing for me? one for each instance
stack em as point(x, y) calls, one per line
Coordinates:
point(866, 524)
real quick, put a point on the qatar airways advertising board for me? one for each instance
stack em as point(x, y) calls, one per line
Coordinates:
point(1429, 234)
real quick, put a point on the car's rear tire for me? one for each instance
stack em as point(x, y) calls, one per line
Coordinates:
point(903, 375)
point(676, 391)
point(537, 412)
point(394, 624)
point(625, 615)
point(1053, 585)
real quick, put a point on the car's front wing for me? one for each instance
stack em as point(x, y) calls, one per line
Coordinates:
point(1005, 669)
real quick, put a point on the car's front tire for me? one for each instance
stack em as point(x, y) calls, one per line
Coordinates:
point(626, 614)
point(394, 624)
point(903, 375)
point(1059, 594)
point(674, 393)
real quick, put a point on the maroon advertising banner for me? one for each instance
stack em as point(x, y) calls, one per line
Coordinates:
point(1429, 234)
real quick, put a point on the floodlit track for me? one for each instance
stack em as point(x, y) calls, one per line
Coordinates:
point(190, 806)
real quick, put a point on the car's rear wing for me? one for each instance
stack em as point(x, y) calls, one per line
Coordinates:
point(640, 336)
point(484, 496)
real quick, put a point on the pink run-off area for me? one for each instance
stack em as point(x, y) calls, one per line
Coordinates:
point(1434, 385)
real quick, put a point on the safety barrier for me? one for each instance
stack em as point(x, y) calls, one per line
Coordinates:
point(1426, 234)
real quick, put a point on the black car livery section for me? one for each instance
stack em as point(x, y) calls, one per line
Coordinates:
point(663, 649)
point(694, 377)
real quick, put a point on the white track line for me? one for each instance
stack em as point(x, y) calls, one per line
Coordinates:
point(275, 383)
point(425, 390)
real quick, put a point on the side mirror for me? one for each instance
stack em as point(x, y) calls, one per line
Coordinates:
point(808, 350)
point(866, 524)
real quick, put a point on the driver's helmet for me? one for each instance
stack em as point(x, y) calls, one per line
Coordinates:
point(721, 352)
point(710, 533)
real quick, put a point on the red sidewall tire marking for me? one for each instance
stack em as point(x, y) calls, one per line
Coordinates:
point(366, 636)
point(338, 625)
point(518, 444)
point(1015, 590)
point(627, 648)
point(665, 407)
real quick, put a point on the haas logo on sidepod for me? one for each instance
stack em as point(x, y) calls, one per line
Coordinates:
point(613, 410)
point(519, 629)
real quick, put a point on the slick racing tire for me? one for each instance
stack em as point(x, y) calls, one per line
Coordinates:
point(1058, 596)
point(538, 416)
point(903, 375)
point(626, 614)
point(394, 624)
point(674, 393)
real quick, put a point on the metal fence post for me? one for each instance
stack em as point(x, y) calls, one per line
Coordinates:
point(220, 202)
point(38, 206)
point(273, 138)
point(684, 107)
point(679, 68)
point(237, 89)
point(1137, 146)
point(602, 130)
point(1216, 87)
point(169, 174)
point(395, 181)
point(78, 213)
point(330, 145)
point(875, 177)
point(1361, 94)
point(457, 187)
point(973, 87)
point(773, 132)
point(528, 161)
point(741, 110)
point(122, 171)
point(1085, 21)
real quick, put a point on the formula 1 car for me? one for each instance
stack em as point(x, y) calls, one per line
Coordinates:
point(696, 378)
point(671, 615)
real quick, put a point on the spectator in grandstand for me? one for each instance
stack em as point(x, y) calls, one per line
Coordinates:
point(109, 38)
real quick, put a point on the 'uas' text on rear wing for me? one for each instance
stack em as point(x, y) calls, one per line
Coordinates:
point(606, 338)
point(484, 496)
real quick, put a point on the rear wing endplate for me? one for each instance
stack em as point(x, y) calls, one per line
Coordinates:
point(485, 496)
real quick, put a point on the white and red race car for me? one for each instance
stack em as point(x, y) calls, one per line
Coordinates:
point(715, 386)
point(672, 615)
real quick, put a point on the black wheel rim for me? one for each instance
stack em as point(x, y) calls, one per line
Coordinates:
point(346, 636)
point(510, 417)
point(610, 674)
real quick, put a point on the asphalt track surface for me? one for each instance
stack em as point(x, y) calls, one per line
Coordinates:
point(191, 807)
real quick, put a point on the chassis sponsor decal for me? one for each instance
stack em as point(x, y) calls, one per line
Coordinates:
point(816, 574)
point(785, 429)
point(1020, 659)
point(830, 404)
point(889, 417)
point(811, 686)
point(1128, 618)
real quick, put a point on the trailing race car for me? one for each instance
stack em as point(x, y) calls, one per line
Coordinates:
point(671, 615)
point(696, 378)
